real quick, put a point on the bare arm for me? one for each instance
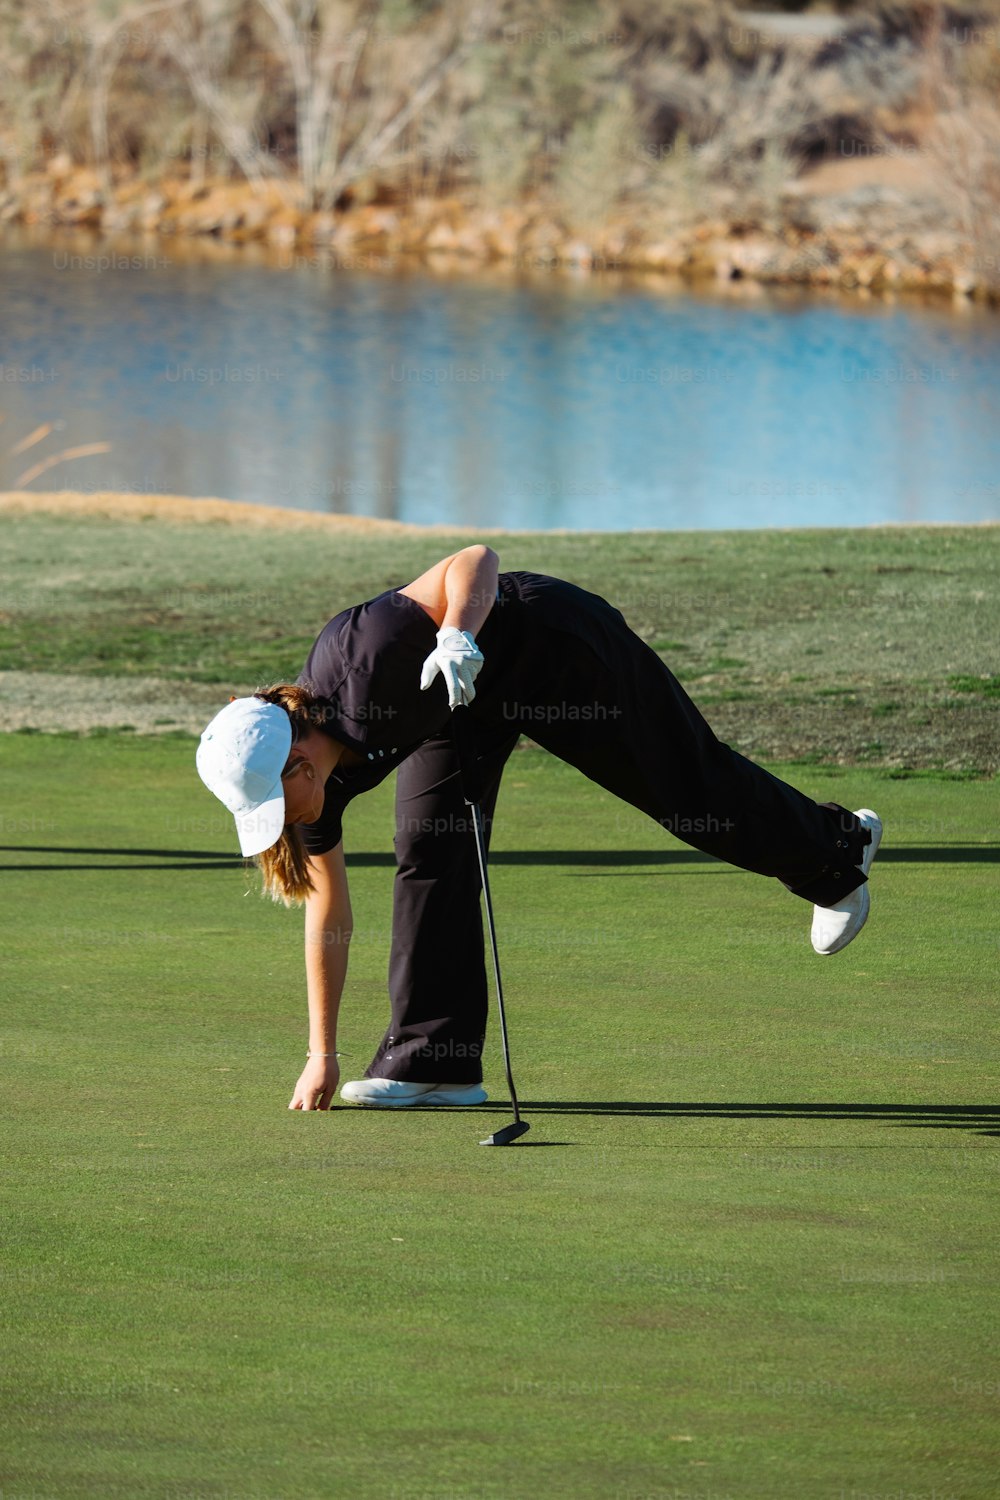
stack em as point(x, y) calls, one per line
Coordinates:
point(328, 928)
point(470, 587)
point(460, 590)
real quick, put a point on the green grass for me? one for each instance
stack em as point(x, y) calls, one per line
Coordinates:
point(907, 616)
point(747, 1250)
point(988, 684)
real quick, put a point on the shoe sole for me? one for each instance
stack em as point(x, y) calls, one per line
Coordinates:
point(867, 860)
point(851, 932)
point(436, 1100)
point(440, 1100)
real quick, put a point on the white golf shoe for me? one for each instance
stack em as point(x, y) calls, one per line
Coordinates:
point(833, 927)
point(389, 1093)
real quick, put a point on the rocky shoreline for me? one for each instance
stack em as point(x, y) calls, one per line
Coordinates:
point(872, 238)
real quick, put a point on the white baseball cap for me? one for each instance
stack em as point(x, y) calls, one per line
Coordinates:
point(241, 757)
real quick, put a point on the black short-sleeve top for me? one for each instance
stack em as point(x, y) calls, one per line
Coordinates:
point(367, 661)
point(542, 643)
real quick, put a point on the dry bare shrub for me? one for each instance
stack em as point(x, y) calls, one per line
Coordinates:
point(434, 153)
point(732, 116)
point(963, 144)
point(593, 165)
point(222, 29)
point(547, 69)
point(330, 88)
point(41, 54)
point(408, 64)
point(739, 145)
point(505, 152)
point(682, 108)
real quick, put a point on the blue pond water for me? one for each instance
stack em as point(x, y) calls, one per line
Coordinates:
point(548, 404)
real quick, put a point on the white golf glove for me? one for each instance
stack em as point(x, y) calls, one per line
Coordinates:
point(458, 659)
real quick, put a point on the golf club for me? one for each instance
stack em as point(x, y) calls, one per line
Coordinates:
point(465, 751)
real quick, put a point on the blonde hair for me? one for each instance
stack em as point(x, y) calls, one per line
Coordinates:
point(284, 866)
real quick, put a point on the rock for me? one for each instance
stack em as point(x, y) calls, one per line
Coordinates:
point(423, 209)
point(711, 231)
point(867, 269)
point(138, 206)
point(577, 253)
point(83, 183)
point(799, 210)
point(283, 228)
point(187, 191)
point(35, 198)
point(441, 237)
point(472, 242)
point(942, 277)
point(320, 228)
point(913, 279)
point(120, 216)
point(501, 232)
point(749, 255)
point(60, 165)
point(538, 253)
point(345, 238)
point(665, 255)
point(372, 227)
point(708, 258)
point(193, 220)
point(129, 189)
point(887, 274)
point(78, 198)
point(254, 222)
point(463, 239)
point(871, 238)
point(539, 241)
point(375, 221)
point(220, 210)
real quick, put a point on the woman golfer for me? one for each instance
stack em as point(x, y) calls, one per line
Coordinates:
point(528, 654)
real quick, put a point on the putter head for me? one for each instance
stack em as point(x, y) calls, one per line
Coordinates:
point(507, 1135)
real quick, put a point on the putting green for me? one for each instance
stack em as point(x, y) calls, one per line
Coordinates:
point(747, 1250)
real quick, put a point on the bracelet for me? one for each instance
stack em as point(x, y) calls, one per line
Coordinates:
point(322, 1054)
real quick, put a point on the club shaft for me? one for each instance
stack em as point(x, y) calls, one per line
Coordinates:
point(477, 819)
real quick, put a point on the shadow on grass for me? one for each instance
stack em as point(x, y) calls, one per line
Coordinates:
point(214, 859)
point(173, 859)
point(982, 1118)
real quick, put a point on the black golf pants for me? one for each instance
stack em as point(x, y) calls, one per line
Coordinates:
point(566, 669)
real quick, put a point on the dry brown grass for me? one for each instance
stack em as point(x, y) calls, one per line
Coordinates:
point(183, 508)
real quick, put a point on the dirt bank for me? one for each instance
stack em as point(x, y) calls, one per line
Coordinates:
point(870, 224)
